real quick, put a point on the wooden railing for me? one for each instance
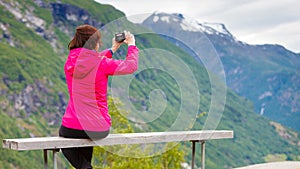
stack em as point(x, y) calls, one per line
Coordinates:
point(54, 144)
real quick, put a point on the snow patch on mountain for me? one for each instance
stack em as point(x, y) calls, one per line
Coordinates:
point(218, 27)
point(189, 24)
point(155, 18)
point(166, 19)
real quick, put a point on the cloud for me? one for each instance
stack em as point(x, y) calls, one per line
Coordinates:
point(261, 14)
point(260, 22)
point(287, 34)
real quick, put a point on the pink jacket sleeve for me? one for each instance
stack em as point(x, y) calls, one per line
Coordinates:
point(121, 67)
point(107, 52)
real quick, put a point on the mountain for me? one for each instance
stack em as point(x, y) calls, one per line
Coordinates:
point(268, 75)
point(34, 37)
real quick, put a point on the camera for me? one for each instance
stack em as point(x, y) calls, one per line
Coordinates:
point(120, 37)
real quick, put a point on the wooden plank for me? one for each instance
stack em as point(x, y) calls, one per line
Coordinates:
point(115, 139)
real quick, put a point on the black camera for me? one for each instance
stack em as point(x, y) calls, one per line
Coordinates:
point(120, 37)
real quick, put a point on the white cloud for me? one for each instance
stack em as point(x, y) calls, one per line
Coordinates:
point(255, 21)
point(287, 34)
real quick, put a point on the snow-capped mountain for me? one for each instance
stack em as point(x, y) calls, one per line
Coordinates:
point(267, 74)
point(189, 24)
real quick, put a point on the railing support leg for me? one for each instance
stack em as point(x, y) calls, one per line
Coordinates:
point(193, 154)
point(45, 159)
point(203, 154)
point(55, 151)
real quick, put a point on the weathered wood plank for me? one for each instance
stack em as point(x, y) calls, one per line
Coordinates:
point(115, 139)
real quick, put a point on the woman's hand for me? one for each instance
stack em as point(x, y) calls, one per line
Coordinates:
point(130, 40)
point(115, 45)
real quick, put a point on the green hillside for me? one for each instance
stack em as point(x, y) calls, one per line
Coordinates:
point(33, 91)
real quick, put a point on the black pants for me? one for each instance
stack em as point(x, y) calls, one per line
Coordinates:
point(80, 157)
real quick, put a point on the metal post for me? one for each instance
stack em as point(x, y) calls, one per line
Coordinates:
point(193, 154)
point(54, 158)
point(203, 154)
point(45, 159)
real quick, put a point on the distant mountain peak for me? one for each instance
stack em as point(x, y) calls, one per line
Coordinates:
point(190, 24)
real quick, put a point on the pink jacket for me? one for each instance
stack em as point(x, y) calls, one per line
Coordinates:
point(87, 74)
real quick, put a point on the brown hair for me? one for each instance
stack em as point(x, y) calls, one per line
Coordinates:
point(86, 36)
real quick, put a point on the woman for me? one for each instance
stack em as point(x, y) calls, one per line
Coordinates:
point(87, 72)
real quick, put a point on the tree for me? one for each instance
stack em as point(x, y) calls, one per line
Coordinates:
point(133, 156)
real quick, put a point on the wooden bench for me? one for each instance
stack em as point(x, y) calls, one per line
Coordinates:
point(54, 144)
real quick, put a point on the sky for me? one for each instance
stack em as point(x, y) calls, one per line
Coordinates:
point(250, 21)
